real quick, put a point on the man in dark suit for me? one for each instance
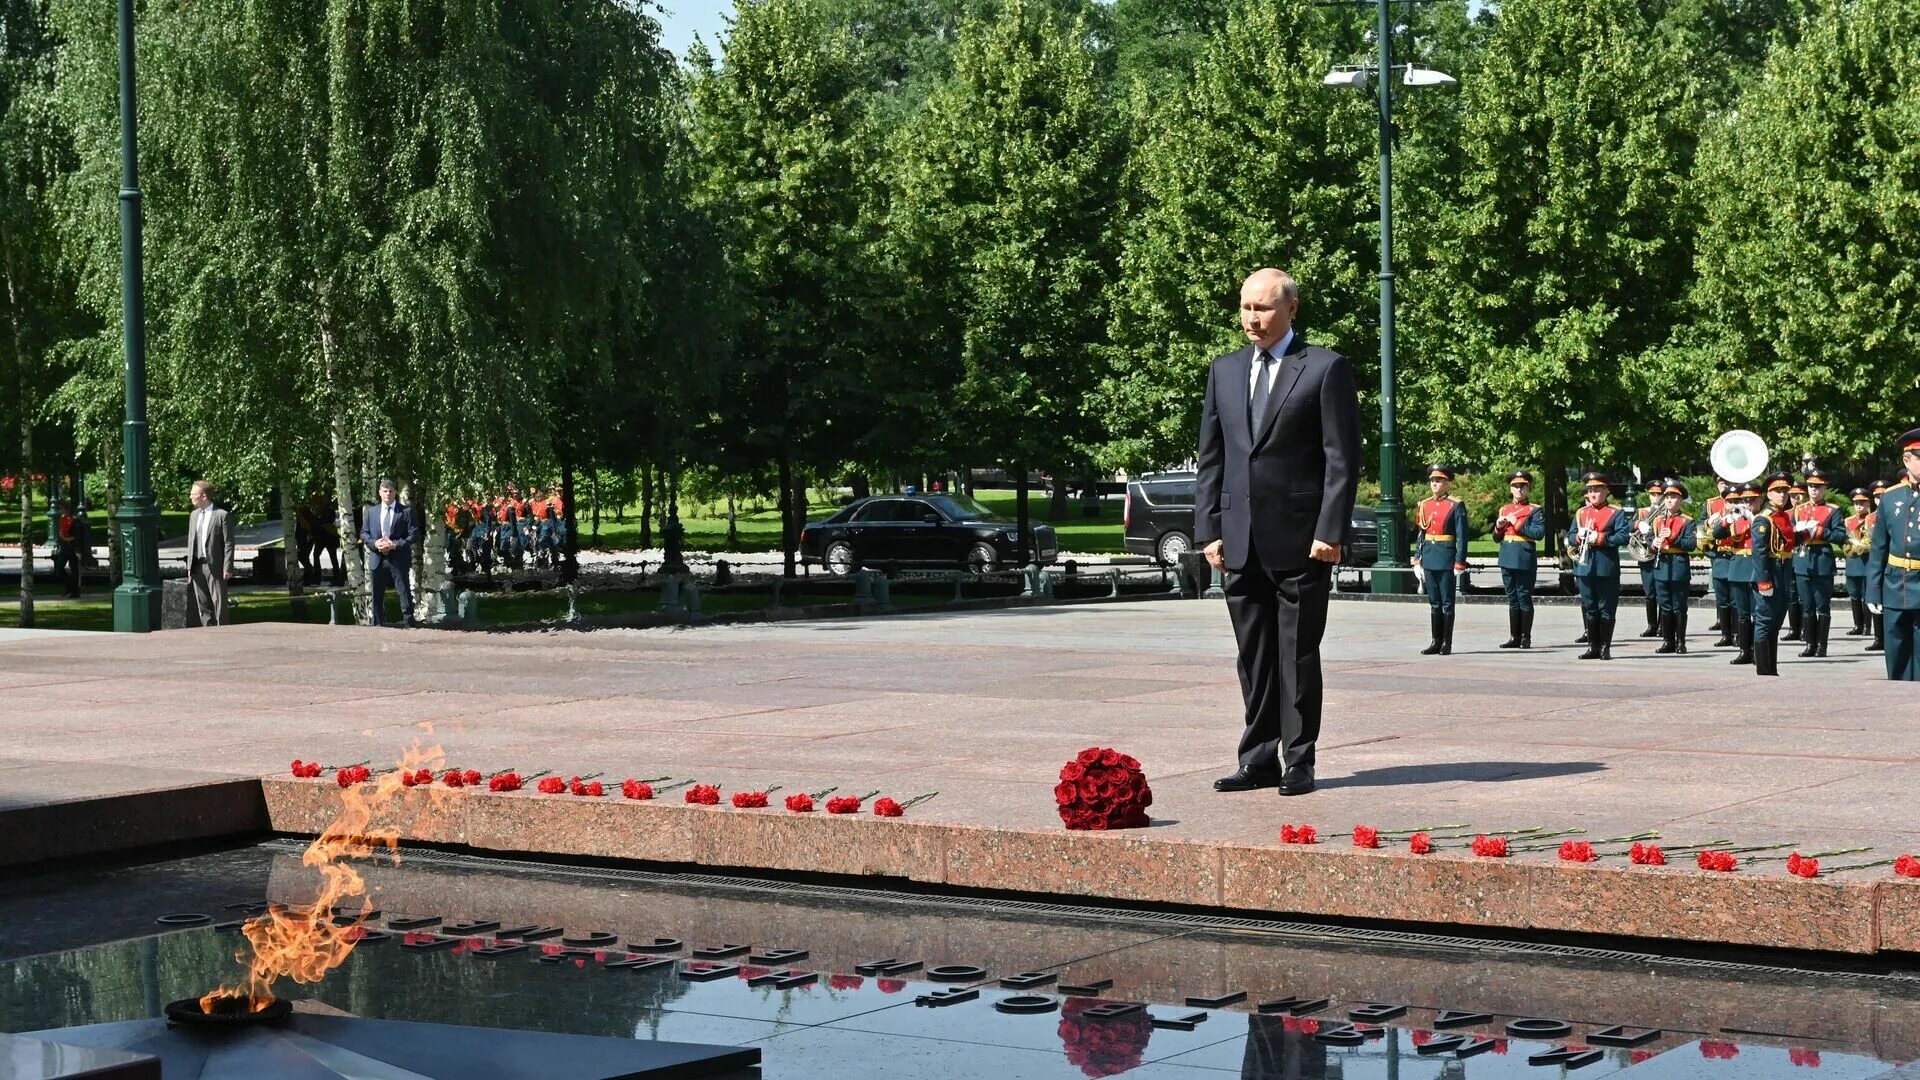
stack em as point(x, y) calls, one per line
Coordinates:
point(1279, 462)
point(388, 532)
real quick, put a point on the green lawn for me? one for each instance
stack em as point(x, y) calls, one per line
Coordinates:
point(172, 522)
point(707, 529)
point(96, 612)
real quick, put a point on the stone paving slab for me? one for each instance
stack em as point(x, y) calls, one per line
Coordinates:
point(983, 707)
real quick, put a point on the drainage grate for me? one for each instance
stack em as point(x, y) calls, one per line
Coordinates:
point(1176, 921)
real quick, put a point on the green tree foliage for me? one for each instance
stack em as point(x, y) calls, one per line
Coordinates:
point(1004, 184)
point(786, 168)
point(1808, 290)
point(37, 288)
point(1253, 163)
point(1564, 255)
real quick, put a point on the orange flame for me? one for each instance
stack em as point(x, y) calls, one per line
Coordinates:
point(304, 943)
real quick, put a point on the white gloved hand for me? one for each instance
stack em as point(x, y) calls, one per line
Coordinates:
point(1805, 526)
point(1875, 608)
point(1643, 528)
point(1420, 575)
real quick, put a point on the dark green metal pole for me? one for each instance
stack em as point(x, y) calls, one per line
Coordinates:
point(136, 603)
point(1391, 515)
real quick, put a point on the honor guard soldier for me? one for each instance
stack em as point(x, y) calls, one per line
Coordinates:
point(1518, 530)
point(1595, 538)
point(1796, 606)
point(1771, 541)
point(1442, 553)
point(1720, 555)
point(1893, 566)
point(1876, 618)
point(1643, 528)
point(1817, 527)
point(1733, 533)
point(1859, 541)
point(1674, 536)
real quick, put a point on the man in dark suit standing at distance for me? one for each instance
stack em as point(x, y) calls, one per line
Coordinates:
point(1279, 462)
point(389, 531)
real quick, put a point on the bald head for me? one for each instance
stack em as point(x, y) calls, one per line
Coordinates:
point(1268, 300)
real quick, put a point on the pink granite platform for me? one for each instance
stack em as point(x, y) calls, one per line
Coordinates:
point(983, 708)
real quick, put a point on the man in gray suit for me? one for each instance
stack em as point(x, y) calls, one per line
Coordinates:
point(209, 556)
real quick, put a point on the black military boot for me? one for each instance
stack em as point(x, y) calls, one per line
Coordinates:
point(1766, 657)
point(1446, 633)
point(1513, 630)
point(1794, 614)
point(1435, 625)
point(1667, 622)
point(1727, 625)
point(1526, 629)
point(1812, 647)
point(1858, 608)
point(1719, 619)
point(1680, 631)
point(1591, 637)
point(1653, 618)
point(1743, 632)
point(1879, 642)
point(1606, 638)
point(1826, 629)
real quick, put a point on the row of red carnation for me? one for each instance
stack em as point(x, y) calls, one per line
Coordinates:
point(590, 787)
point(1498, 846)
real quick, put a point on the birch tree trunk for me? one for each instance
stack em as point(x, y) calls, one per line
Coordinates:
point(289, 547)
point(26, 440)
point(343, 477)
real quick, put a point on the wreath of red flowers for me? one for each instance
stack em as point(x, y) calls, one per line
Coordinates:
point(1102, 789)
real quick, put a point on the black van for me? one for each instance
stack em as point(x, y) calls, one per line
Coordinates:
point(1159, 520)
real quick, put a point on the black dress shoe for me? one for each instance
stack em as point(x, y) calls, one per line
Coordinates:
point(1245, 779)
point(1297, 782)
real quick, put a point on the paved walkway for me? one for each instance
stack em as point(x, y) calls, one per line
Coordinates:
point(984, 706)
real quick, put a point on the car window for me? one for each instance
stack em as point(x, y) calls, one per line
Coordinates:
point(879, 510)
point(960, 507)
point(1170, 491)
point(915, 510)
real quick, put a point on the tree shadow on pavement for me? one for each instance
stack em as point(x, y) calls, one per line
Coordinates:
point(1447, 772)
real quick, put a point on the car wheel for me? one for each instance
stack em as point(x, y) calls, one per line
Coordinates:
point(1171, 547)
point(840, 559)
point(981, 558)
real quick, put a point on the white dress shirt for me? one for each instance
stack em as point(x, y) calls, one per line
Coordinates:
point(1253, 369)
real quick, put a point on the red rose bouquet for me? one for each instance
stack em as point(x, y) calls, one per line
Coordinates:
point(1103, 789)
point(1103, 1047)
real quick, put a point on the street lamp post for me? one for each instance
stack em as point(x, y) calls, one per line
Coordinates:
point(136, 602)
point(1390, 570)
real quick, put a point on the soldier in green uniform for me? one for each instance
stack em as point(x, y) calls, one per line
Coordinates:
point(1598, 532)
point(1518, 530)
point(1673, 536)
point(1442, 552)
point(1893, 565)
point(1796, 606)
point(1878, 618)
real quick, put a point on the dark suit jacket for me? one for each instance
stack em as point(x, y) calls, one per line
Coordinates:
point(405, 532)
point(1275, 484)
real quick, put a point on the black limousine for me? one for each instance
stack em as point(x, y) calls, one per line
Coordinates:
point(949, 531)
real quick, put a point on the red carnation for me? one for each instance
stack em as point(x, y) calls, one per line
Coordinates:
point(1800, 866)
point(749, 800)
point(1719, 861)
point(636, 789)
point(800, 803)
point(552, 785)
point(843, 804)
point(1647, 855)
point(353, 774)
point(1907, 866)
point(453, 778)
point(506, 781)
point(1576, 851)
point(409, 778)
point(592, 788)
point(1718, 1051)
point(885, 807)
point(1490, 847)
point(843, 982)
point(1298, 834)
point(471, 778)
point(1366, 836)
point(1420, 843)
point(890, 986)
point(704, 795)
point(1800, 1055)
point(305, 769)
